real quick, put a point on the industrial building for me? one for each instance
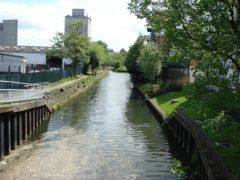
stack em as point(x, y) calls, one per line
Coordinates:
point(78, 15)
point(12, 63)
point(35, 55)
point(9, 33)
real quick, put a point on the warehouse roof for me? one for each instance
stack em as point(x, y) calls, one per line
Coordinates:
point(11, 55)
point(25, 49)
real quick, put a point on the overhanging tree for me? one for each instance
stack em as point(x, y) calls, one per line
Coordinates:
point(132, 59)
point(206, 31)
point(197, 28)
point(150, 61)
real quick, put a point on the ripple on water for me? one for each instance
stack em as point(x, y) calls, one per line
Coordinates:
point(108, 133)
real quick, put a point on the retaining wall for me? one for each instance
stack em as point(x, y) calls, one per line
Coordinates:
point(20, 120)
point(188, 135)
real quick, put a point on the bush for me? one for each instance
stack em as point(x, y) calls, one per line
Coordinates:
point(216, 124)
point(151, 90)
point(85, 68)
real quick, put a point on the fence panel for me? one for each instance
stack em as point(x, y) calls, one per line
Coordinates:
point(14, 95)
point(38, 77)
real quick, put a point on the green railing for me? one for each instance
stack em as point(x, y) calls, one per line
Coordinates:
point(37, 77)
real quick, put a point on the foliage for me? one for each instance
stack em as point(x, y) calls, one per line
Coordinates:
point(78, 47)
point(209, 93)
point(100, 49)
point(177, 169)
point(165, 103)
point(144, 60)
point(64, 80)
point(150, 61)
point(218, 125)
point(73, 45)
point(150, 90)
point(117, 60)
point(206, 31)
point(121, 69)
point(132, 59)
point(94, 62)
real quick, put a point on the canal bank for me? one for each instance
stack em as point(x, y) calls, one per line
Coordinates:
point(21, 121)
point(190, 143)
point(57, 96)
point(106, 133)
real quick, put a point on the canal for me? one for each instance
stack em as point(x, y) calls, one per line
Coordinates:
point(107, 133)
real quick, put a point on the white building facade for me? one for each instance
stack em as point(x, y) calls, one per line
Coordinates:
point(12, 63)
point(35, 55)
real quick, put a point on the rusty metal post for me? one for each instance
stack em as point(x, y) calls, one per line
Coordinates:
point(7, 133)
point(2, 147)
point(29, 122)
point(14, 131)
point(36, 117)
point(33, 120)
point(25, 122)
point(19, 128)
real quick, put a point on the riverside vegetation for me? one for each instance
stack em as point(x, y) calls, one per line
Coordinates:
point(204, 33)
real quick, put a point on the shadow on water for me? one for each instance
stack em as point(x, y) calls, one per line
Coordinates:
point(39, 131)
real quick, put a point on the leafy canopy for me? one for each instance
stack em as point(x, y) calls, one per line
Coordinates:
point(206, 31)
point(72, 45)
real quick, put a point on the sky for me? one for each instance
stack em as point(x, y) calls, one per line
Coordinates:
point(39, 20)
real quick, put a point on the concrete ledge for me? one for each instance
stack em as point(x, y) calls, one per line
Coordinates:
point(60, 95)
point(152, 103)
point(21, 106)
point(55, 97)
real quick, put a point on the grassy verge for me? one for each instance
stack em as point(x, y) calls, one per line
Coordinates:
point(65, 80)
point(88, 78)
point(165, 101)
point(71, 83)
point(220, 128)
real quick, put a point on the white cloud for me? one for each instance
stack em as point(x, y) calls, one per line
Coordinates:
point(38, 23)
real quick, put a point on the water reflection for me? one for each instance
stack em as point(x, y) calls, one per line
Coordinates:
point(108, 133)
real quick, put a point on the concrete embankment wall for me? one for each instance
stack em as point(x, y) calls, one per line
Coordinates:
point(60, 95)
point(189, 138)
point(21, 120)
point(18, 121)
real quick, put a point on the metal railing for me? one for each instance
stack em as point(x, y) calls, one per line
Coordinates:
point(16, 95)
point(20, 85)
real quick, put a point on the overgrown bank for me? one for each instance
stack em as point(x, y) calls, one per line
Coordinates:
point(189, 142)
point(62, 93)
point(220, 127)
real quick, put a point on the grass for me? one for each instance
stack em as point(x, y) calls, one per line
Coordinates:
point(87, 79)
point(63, 81)
point(220, 130)
point(165, 101)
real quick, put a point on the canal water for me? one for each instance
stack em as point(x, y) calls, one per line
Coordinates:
point(108, 133)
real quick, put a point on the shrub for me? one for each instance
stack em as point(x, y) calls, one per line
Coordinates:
point(151, 90)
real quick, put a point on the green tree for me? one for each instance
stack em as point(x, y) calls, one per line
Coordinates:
point(100, 49)
point(197, 27)
point(206, 31)
point(117, 60)
point(150, 61)
point(94, 62)
point(132, 59)
point(73, 45)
